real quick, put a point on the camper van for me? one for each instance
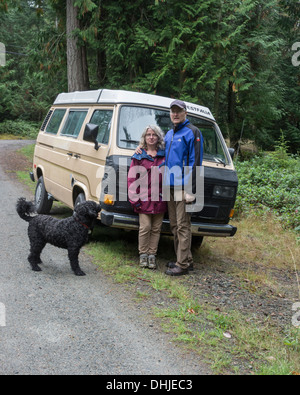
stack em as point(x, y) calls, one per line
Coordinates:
point(84, 149)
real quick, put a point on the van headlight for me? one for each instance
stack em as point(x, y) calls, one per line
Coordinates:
point(224, 192)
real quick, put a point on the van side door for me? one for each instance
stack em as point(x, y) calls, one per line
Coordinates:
point(60, 177)
point(89, 163)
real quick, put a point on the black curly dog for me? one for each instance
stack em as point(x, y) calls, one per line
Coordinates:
point(70, 233)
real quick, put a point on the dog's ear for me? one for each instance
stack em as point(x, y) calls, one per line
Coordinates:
point(93, 212)
point(79, 208)
point(88, 209)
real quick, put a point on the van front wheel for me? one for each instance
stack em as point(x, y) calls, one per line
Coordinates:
point(43, 203)
point(80, 199)
point(197, 242)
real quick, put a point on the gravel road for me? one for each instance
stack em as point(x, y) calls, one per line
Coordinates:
point(57, 323)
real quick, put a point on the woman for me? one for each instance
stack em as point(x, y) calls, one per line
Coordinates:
point(145, 193)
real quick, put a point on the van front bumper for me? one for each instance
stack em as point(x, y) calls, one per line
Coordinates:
point(131, 222)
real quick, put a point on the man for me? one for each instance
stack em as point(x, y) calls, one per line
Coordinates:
point(184, 151)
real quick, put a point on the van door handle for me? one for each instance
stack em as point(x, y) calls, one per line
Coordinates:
point(70, 154)
point(77, 156)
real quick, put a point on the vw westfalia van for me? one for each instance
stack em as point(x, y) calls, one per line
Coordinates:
point(86, 142)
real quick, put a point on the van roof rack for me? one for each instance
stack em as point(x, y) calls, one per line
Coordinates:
point(107, 96)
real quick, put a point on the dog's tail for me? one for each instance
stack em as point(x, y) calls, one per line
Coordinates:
point(25, 209)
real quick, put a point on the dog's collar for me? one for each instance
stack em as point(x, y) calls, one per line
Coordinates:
point(81, 223)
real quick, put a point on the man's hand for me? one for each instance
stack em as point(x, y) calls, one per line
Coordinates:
point(189, 198)
point(139, 150)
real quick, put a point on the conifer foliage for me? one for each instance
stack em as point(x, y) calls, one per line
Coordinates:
point(232, 56)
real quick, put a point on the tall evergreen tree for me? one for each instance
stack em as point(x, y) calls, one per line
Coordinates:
point(27, 83)
point(233, 56)
point(288, 26)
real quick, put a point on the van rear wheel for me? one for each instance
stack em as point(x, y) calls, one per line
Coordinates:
point(43, 203)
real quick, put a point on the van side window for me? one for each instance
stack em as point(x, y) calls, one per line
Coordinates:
point(55, 121)
point(74, 123)
point(103, 119)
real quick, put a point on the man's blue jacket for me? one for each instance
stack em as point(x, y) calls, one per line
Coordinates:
point(184, 153)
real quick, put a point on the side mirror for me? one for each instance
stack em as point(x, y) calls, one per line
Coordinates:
point(231, 152)
point(91, 133)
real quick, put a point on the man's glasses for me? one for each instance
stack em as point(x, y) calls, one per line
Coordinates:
point(177, 110)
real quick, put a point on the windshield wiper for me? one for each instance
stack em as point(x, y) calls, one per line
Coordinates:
point(219, 160)
point(130, 141)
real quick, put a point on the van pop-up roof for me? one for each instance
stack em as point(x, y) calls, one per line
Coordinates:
point(106, 96)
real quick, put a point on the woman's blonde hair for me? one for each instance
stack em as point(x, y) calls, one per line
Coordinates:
point(159, 133)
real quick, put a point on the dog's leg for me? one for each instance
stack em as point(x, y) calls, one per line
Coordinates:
point(34, 258)
point(34, 263)
point(73, 254)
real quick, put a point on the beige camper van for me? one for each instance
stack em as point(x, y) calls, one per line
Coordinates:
point(87, 133)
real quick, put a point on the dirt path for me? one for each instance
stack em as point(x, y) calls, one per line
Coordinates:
point(142, 348)
point(57, 323)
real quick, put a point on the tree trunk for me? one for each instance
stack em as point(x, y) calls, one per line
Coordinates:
point(78, 79)
point(101, 67)
point(231, 103)
point(85, 68)
point(217, 98)
point(231, 117)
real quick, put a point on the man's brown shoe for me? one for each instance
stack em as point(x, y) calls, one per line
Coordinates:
point(176, 271)
point(171, 265)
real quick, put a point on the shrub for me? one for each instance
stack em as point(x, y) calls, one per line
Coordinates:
point(271, 182)
point(20, 128)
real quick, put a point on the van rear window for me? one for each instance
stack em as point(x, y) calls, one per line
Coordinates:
point(55, 121)
point(74, 123)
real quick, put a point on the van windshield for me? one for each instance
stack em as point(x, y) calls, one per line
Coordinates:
point(133, 121)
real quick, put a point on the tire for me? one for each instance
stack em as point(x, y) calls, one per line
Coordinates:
point(80, 199)
point(43, 203)
point(197, 242)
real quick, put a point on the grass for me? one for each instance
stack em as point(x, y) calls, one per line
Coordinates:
point(265, 239)
point(261, 245)
point(28, 151)
point(230, 340)
point(251, 346)
point(11, 137)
